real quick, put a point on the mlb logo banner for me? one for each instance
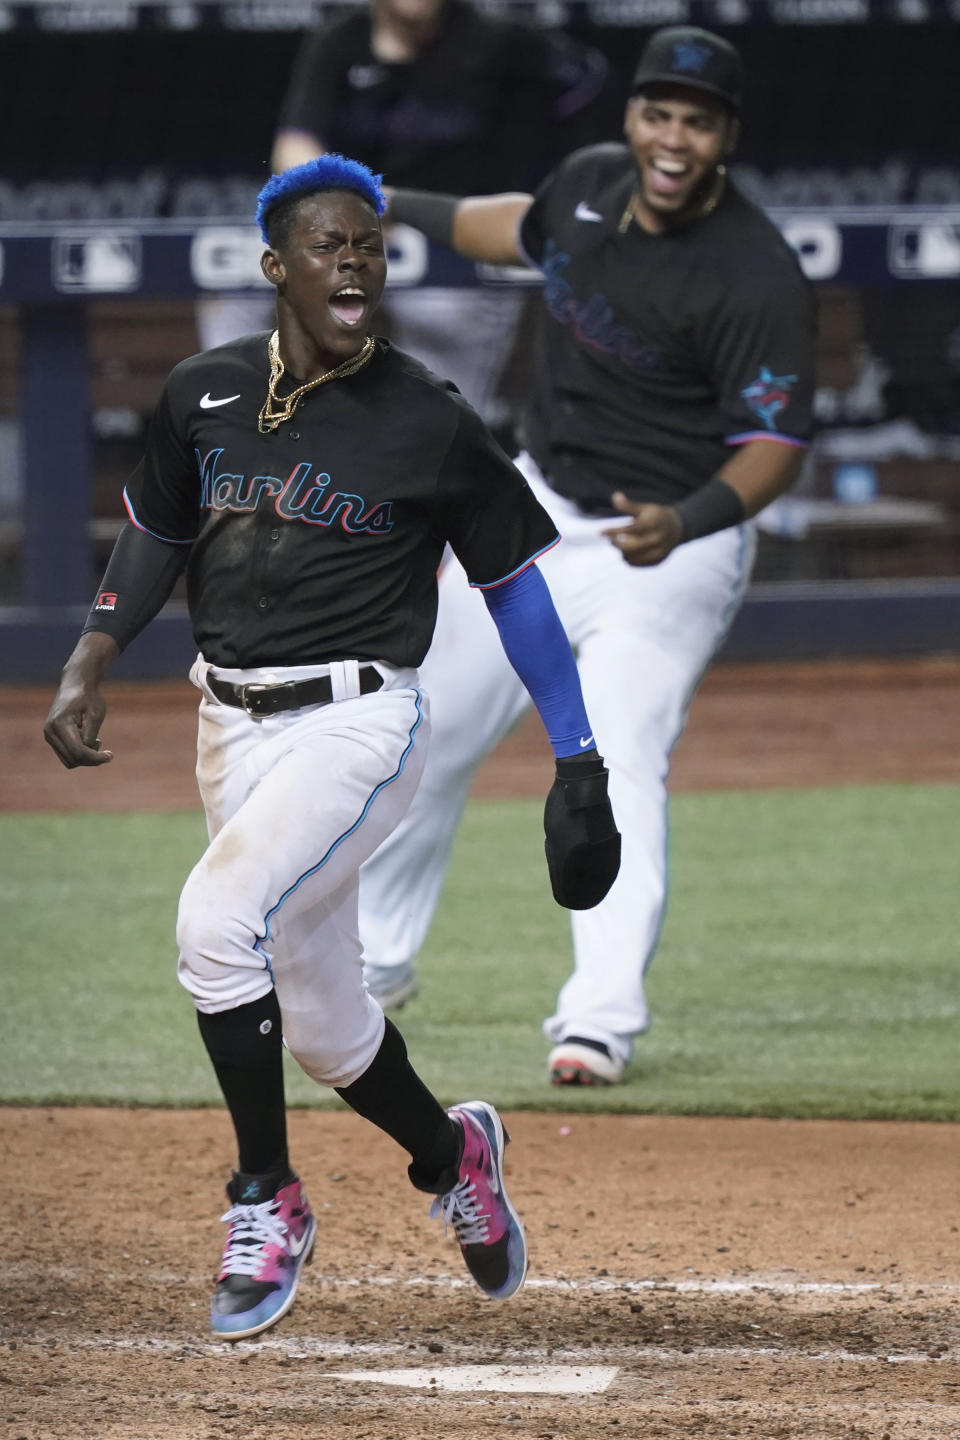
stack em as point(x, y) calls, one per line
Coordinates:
point(108, 262)
point(925, 251)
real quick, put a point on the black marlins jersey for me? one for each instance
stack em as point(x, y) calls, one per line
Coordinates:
point(321, 540)
point(656, 353)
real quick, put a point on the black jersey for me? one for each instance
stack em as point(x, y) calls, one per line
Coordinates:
point(469, 114)
point(321, 540)
point(656, 353)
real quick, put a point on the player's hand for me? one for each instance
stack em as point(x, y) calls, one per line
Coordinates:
point(655, 531)
point(74, 722)
point(582, 842)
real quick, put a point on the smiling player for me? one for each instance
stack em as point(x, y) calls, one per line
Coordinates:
point(670, 400)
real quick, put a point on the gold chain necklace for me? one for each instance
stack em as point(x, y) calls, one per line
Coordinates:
point(276, 410)
point(709, 204)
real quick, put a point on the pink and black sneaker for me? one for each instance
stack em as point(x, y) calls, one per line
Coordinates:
point(270, 1238)
point(489, 1233)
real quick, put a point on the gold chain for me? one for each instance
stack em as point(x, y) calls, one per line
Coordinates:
point(276, 410)
point(709, 204)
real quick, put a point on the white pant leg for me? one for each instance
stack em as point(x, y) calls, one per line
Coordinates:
point(295, 804)
point(644, 637)
point(461, 334)
point(475, 698)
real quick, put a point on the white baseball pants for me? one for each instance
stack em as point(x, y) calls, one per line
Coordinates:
point(294, 804)
point(644, 637)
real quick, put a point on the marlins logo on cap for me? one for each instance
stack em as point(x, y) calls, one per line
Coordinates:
point(686, 55)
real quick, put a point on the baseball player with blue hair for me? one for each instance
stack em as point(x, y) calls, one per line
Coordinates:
point(308, 481)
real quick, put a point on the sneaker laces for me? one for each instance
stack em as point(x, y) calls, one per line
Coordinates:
point(459, 1208)
point(251, 1227)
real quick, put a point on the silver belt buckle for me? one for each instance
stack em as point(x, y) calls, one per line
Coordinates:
point(245, 691)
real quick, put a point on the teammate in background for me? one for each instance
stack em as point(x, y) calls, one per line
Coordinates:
point(309, 481)
point(433, 94)
point(670, 401)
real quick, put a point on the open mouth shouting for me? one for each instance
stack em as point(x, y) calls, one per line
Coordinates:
point(349, 305)
point(669, 178)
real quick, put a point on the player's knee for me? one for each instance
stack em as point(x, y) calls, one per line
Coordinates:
point(220, 987)
point(218, 963)
point(214, 938)
point(332, 1051)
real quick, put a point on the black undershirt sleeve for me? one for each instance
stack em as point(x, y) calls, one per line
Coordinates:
point(139, 578)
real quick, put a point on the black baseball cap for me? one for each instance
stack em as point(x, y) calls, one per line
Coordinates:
point(686, 55)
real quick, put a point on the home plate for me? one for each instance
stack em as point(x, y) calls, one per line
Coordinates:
point(528, 1379)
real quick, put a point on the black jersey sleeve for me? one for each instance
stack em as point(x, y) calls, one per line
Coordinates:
point(162, 495)
point(759, 342)
point(593, 175)
point(486, 510)
point(534, 227)
point(315, 82)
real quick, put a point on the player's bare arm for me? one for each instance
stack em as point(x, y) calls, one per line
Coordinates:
point(757, 473)
point(762, 470)
point(487, 228)
point(479, 227)
point(78, 708)
point(294, 147)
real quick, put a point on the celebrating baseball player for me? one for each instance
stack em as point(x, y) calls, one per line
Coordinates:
point(309, 481)
point(670, 401)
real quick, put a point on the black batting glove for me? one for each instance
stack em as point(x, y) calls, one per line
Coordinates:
point(581, 841)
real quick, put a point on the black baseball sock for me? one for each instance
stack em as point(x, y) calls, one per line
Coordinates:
point(391, 1094)
point(245, 1046)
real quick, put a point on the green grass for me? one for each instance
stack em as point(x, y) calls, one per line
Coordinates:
point(807, 966)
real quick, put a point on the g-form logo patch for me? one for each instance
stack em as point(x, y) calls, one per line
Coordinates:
point(106, 600)
point(768, 395)
point(690, 55)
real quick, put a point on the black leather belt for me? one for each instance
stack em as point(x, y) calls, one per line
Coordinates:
point(259, 700)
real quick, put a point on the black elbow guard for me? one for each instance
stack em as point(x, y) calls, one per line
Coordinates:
point(430, 213)
point(139, 577)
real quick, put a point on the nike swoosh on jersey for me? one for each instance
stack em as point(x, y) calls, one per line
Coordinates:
point(588, 741)
point(207, 404)
point(363, 77)
point(584, 212)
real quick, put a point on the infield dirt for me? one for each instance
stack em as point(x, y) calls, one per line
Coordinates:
point(743, 1278)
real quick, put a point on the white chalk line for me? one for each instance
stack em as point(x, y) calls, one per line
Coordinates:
point(598, 1285)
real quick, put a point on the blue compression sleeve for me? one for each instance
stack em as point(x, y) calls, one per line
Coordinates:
point(537, 647)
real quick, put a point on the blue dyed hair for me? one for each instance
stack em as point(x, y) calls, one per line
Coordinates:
point(326, 172)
